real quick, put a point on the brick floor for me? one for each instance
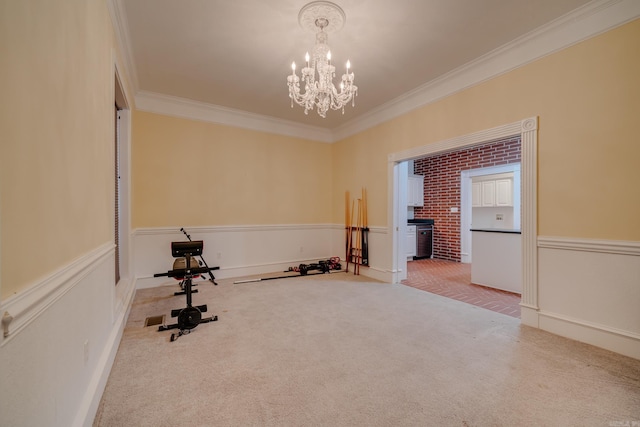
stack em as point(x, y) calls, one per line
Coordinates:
point(453, 280)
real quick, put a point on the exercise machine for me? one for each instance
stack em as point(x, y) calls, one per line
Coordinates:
point(190, 316)
point(181, 263)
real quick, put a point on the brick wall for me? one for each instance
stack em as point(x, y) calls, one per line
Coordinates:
point(442, 188)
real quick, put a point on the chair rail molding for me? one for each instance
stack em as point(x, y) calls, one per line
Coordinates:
point(21, 309)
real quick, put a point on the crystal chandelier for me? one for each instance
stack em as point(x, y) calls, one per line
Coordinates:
point(318, 73)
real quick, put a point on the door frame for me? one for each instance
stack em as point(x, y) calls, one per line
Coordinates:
point(466, 204)
point(527, 129)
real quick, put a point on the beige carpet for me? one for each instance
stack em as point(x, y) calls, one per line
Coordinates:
point(337, 350)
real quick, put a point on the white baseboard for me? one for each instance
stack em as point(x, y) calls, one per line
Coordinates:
point(623, 342)
point(376, 273)
point(529, 316)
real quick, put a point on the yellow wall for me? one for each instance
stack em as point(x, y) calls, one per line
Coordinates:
point(56, 156)
point(587, 98)
point(192, 173)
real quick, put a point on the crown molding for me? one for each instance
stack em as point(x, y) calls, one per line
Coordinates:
point(588, 21)
point(121, 30)
point(189, 109)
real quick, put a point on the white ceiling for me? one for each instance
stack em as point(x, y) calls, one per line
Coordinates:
point(237, 54)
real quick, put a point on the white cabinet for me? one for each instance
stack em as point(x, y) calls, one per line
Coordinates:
point(411, 241)
point(488, 193)
point(491, 193)
point(415, 190)
point(497, 260)
point(476, 194)
point(504, 192)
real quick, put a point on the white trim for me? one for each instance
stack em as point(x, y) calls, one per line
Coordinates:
point(121, 30)
point(466, 256)
point(26, 306)
point(469, 140)
point(186, 108)
point(372, 229)
point(603, 328)
point(236, 228)
point(619, 341)
point(229, 228)
point(588, 21)
point(619, 247)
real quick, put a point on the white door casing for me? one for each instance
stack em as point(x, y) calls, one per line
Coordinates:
point(527, 129)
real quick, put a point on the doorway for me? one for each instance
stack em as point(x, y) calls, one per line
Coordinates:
point(526, 130)
point(122, 182)
point(448, 201)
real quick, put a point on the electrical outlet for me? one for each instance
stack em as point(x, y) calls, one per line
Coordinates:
point(301, 249)
point(86, 352)
point(499, 217)
point(219, 255)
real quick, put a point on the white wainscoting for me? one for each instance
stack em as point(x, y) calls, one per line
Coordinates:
point(589, 290)
point(62, 342)
point(247, 250)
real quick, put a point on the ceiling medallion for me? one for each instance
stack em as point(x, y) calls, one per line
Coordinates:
point(321, 17)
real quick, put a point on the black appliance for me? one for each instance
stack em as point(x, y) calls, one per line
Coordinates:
point(424, 238)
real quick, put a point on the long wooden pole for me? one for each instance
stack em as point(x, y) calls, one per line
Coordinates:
point(358, 239)
point(350, 252)
point(365, 228)
point(366, 210)
point(347, 225)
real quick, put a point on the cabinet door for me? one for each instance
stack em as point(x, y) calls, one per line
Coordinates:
point(476, 194)
point(504, 192)
point(419, 188)
point(411, 190)
point(415, 191)
point(488, 193)
point(411, 241)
